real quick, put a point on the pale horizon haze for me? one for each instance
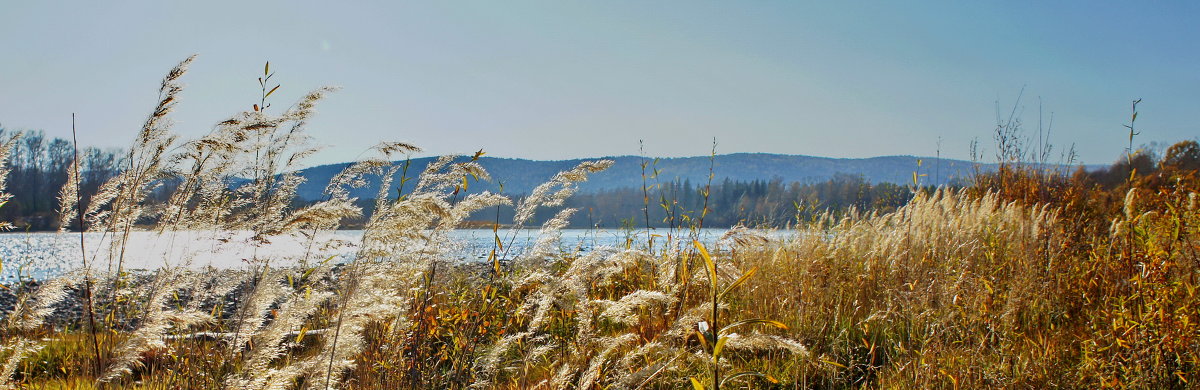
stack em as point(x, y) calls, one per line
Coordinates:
point(560, 80)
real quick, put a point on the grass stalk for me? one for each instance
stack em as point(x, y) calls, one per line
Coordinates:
point(87, 271)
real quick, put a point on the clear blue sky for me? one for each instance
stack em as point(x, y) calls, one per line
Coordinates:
point(555, 79)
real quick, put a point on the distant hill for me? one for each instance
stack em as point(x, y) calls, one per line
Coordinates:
point(520, 176)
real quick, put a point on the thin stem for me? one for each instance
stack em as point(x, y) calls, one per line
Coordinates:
point(87, 271)
point(716, 326)
point(645, 197)
point(712, 162)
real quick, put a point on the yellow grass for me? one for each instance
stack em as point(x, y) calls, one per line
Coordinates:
point(972, 288)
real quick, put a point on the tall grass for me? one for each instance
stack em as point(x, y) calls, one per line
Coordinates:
point(1024, 280)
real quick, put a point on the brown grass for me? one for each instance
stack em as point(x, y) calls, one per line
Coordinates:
point(1026, 280)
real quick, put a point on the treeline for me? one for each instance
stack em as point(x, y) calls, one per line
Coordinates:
point(39, 167)
point(39, 170)
point(729, 202)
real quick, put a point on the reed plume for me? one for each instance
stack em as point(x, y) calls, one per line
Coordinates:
point(6, 146)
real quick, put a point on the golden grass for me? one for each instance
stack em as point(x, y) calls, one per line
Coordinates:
point(971, 288)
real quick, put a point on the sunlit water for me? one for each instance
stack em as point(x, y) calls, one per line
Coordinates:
point(41, 255)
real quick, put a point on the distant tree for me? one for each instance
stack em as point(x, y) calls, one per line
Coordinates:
point(1182, 156)
point(39, 170)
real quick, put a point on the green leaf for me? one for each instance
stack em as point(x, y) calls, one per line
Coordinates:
point(703, 338)
point(323, 262)
point(271, 92)
point(708, 262)
point(267, 68)
point(742, 374)
point(300, 335)
point(696, 383)
point(754, 321)
point(834, 363)
point(717, 349)
point(746, 276)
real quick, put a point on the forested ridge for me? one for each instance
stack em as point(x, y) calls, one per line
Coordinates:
point(40, 165)
point(39, 170)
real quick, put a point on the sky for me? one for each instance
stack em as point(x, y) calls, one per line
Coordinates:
point(573, 79)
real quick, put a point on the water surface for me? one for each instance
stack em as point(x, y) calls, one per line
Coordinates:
point(41, 255)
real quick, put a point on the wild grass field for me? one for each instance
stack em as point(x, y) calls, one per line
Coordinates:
point(1030, 277)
